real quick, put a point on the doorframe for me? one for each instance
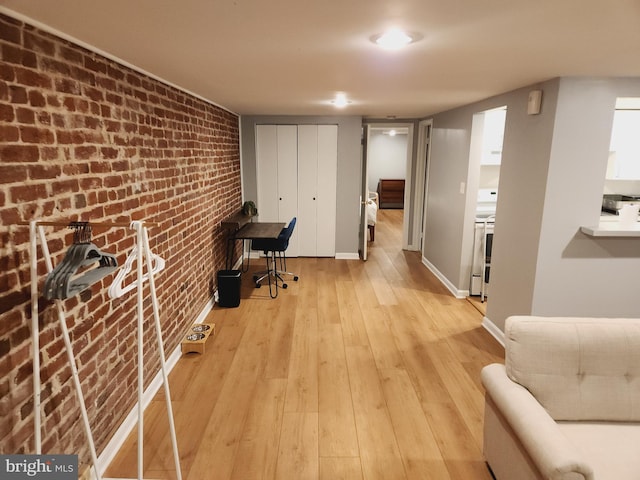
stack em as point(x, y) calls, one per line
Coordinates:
point(364, 193)
point(408, 191)
point(420, 192)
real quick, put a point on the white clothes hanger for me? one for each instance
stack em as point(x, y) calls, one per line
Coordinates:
point(117, 289)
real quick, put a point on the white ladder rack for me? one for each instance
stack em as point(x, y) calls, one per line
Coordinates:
point(36, 231)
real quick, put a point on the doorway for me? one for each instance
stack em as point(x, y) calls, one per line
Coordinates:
point(485, 157)
point(389, 152)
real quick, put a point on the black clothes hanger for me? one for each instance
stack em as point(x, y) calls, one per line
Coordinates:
point(66, 279)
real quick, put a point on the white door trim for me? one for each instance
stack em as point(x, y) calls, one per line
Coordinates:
point(421, 183)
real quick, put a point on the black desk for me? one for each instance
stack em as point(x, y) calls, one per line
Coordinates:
point(252, 231)
point(255, 230)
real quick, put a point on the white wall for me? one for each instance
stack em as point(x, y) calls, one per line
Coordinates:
point(524, 174)
point(551, 183)
point(387, 157)
point(445, 205)
point(577, 274)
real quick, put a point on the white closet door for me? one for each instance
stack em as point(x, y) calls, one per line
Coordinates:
point(288, 180)
point(307, 189)
point(277, 176)
point(267, 172)
point(327, 190)
point(296, 168)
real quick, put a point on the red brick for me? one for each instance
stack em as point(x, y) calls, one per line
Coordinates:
point(28, 193)
point(25, 116)
point(7, 72)
point(82, 105)
point(50, 153)
point(38, 44)
point(9, 32)
point(6, 113)
point(114, 71)
point(53, 101)
point(110, 153)
point(36, 99)
point(11, 54)
point(44, 172)
point(95, 65)
point(36, 135)
point(55, 66)
point(43, 118)
point(32, 79)
point(67, 85)
point(75, 168)
point(70, 136)
point(91, 122)
point(83, 75)
point(65, 186)
point(71, 54)
point(17, 94)
point(9, 133)
point(19, 153)
point(85, 152)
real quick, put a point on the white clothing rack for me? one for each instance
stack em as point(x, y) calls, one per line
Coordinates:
point(143, 253)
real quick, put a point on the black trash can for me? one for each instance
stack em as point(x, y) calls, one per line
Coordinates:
point(229, 288)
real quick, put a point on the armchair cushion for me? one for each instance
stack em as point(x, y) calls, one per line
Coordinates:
point(577, 368)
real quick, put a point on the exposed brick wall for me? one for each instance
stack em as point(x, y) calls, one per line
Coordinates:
point(84, 138)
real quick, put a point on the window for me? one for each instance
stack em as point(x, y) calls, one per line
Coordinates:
point(624, 150)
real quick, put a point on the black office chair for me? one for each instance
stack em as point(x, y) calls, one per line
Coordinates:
point(275, 249)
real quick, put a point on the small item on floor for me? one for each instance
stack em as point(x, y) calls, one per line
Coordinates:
point(196, 337)
point(229, 283)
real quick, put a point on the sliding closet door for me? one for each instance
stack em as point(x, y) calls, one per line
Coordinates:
point(296, 169)
point(267, 172)
point(277, 176)
point(326, 190)
point(307, 189)
point(317, 166)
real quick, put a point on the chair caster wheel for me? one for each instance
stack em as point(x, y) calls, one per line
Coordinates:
point(295, 279)
point(258, 285)
point(284, 285)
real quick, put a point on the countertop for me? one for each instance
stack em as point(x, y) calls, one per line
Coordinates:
point(610, 227)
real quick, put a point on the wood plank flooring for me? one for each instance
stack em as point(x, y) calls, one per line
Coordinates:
point(358, 371)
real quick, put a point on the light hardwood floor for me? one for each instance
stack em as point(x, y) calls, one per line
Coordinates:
point(359, 371)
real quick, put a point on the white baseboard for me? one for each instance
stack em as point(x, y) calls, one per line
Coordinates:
point(347, 256)
point(338, 256)
point(445, 281)
point(130, 421)
point(493, 329)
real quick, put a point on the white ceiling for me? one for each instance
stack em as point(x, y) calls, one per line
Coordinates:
point(290, 57)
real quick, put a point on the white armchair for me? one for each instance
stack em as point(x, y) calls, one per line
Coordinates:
point(566, 404)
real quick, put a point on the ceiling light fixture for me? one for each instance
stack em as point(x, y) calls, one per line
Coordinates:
point(340, 101)
point(395, 39)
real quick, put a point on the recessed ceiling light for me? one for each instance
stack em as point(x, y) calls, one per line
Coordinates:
point(395, 39)
point(340, 101)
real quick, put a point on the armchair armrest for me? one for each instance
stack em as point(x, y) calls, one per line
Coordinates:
point(550, 450)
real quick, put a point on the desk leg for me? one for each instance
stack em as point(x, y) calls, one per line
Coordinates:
point(231, 243)
point(242, 267)
point(272, 268)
